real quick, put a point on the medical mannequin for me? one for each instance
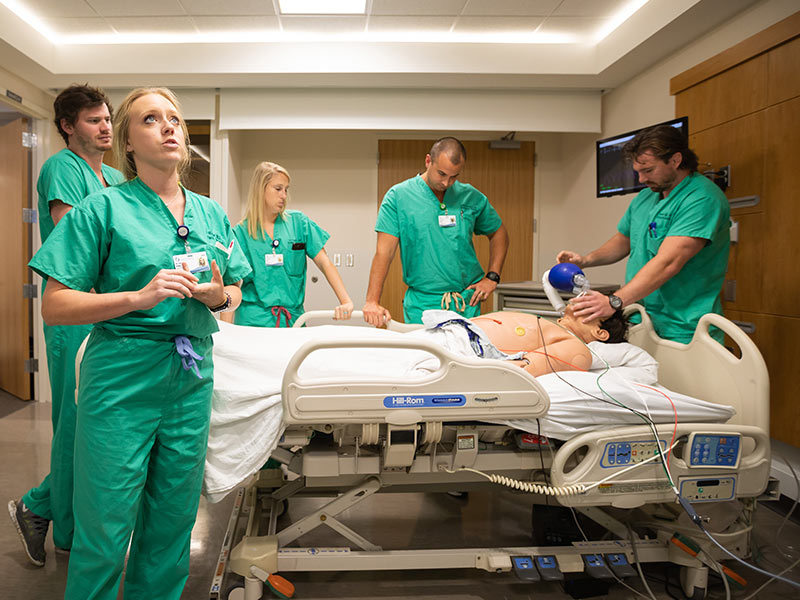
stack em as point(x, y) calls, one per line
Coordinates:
point(549, 346)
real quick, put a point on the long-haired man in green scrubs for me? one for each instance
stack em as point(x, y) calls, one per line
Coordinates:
point(83, 118)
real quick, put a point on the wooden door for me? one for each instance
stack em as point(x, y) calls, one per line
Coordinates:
point(505, 176)
point(14, 309)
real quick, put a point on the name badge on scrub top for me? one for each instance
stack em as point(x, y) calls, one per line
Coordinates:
point(447, 220)
point(196, 261)
point(273, 260)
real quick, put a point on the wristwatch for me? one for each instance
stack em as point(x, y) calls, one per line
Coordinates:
point(493, 276)
point(224, 306)
point(615, 302)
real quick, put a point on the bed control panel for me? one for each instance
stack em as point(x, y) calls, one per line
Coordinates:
point(707, 490)
point(714, 450)
point(623, 454)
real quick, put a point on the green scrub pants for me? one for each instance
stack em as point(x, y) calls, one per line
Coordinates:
point(415, 302)
point(140, 447)
point(52, 499)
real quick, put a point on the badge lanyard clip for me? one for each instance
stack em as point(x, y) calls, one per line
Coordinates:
point(183, 233)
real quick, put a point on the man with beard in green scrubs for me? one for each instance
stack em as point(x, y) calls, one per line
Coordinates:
point(432, 218)
point(676, 235)
point(83, 118)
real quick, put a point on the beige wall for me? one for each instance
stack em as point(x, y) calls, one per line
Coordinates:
point(639, 102)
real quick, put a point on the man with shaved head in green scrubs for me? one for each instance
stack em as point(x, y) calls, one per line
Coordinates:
point(432, 218)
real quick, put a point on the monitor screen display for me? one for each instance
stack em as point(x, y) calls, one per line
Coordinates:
point(615, 175)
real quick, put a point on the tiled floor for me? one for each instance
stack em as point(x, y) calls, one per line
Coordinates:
point(425, 520)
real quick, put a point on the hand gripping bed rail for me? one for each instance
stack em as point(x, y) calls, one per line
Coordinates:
point(464, 389)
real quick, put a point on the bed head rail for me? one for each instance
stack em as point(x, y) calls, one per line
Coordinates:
point(705, 369)
point(461, 389)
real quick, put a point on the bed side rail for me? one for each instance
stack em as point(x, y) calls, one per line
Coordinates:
point(356, 320)
point(629, 455)
point(461, 389)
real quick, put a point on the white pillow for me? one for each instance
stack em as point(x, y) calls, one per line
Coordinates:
point(627, 360)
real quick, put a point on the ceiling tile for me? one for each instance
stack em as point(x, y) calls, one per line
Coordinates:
point(45, 9)
point(324, 25)
point(589, 8)
point(577, 26)
point(417, 7)
point(236, 24)
point(140, 8)
point(410, 24)
point(232, 8)
point(182, 25)
point(497, 24)
point(510, 8)
point(80, 26)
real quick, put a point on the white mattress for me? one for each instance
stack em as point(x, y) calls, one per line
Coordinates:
point(246, 417)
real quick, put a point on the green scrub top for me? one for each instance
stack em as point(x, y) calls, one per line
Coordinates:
point(119, 238)
point(297, 237)
point(695, 208)
point(437, 259)
point(67, 177)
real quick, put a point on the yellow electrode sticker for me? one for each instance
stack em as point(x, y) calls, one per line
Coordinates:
point(520, 331)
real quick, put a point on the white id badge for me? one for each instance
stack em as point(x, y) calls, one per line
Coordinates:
point(197, 261)
point(447, 220)
point(274, 260)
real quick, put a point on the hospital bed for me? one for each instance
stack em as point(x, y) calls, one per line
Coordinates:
point(456, 429)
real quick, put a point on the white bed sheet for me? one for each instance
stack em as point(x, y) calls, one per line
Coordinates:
point(246, 416)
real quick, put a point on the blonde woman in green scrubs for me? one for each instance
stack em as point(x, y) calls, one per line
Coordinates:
point(161, 261)
point(277, 242)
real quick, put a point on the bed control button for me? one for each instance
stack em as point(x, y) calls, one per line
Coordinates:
point(547, 566)
point(596, 567)
point(525, 569)
point(618, 563)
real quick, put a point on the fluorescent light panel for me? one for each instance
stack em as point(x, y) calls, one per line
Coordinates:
point(323, 7)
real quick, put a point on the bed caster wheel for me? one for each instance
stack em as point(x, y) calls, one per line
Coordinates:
point(236, 592)
point(694, 582)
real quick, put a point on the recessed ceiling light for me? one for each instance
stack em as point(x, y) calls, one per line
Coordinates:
point(323, 7)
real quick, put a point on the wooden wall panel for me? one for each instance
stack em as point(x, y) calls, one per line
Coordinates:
point(738, 143)
point(745, 265)
point(784, 72)
point(782, 227)
point(776, 338)
point(734, 93)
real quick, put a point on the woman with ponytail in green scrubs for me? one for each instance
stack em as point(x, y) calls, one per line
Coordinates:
point(277, 241)
point(161, 260)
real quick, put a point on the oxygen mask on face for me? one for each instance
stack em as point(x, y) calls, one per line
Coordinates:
point(567, 278)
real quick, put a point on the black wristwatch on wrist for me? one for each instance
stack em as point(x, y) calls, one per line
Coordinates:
point(615, 302)
point(493, 276)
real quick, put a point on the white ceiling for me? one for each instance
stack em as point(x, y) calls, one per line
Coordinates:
point(397, 43)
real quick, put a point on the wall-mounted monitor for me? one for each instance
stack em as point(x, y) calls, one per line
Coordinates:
point(615, 175)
